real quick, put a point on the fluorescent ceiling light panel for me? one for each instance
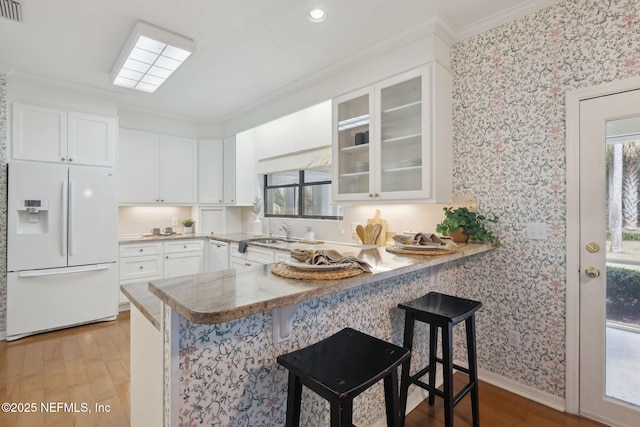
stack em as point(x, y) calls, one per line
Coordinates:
point(150, 56)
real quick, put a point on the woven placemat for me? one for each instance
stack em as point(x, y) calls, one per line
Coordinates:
point(431, 252)
point(283, 270)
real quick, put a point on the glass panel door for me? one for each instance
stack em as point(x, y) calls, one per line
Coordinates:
point(354, 162)
point(401, 136)
point(623, 261)
point(610, 259)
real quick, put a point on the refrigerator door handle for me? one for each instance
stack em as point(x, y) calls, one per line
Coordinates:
point(72, 208)
point(63, 219)
point(56, 271)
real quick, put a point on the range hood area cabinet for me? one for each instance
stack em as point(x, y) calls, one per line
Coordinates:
point(157, 169)
point(46, 134)
point(217, 171)
point(392, 140)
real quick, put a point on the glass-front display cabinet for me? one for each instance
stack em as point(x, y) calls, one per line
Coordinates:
point(387, 138)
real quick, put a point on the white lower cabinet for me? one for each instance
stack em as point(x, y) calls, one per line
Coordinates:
point(280, 256)
point(252, 258)
point(183, 258)
point(156, 260)
point(139, 262)
point(146, 382)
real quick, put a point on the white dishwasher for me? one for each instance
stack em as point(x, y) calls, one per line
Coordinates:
point(218, 255)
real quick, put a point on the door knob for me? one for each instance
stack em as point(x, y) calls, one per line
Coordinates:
point(593, 247)
point(592, 272)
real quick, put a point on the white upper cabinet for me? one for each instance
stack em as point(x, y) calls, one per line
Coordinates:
point(178, 170)
point(210, 171)
point(230, 169)
point(53, 135)
point(392, 140)
point(157, 169)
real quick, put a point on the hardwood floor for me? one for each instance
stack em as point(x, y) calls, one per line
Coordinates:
point(90, 364)
point(84, 365)
point(498, 408)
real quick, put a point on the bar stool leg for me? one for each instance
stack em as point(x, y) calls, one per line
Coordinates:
point(447, 373)
point(433, 365)
point(294, 400)
point(406, 367)
point(473, 370)
point(391, 399)
point(341, 413)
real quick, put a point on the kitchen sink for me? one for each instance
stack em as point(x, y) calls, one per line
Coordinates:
point(271, 240)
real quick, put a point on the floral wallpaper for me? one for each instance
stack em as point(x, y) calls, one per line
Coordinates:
point(228, 374)
point(509, 141)
point(3, 203)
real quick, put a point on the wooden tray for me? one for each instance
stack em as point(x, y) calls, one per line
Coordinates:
point(283, 270)
point(402, 251)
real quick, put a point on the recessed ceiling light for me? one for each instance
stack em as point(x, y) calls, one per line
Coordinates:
point(150, 56)
point(316, 15)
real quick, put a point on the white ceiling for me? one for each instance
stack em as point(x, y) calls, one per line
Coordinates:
point(248, 51)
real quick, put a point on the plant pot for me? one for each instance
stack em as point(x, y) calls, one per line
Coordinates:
point(459, 237)
point(187, 230)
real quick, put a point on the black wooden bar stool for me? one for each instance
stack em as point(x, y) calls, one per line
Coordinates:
point(442, 312)
point(341, 367)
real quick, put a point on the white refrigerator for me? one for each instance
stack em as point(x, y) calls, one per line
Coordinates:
point(61, 246)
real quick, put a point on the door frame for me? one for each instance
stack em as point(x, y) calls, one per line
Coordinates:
point(572, 347)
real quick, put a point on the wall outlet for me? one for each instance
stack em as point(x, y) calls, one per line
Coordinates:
point(174, 221)
point(537, 231)
point(513, 338)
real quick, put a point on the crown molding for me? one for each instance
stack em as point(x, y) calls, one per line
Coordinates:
point(104, 93)
point(438, 26)
point(507, 15)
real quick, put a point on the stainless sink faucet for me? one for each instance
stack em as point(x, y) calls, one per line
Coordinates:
point(287, 230)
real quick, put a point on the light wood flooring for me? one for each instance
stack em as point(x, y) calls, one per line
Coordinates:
point(90, 364)
point(87, 364)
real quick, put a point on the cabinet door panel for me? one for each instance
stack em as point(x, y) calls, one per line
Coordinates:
point(183, 264)
point(210, 171)
point(39, 133)
point(92, 139)
point(230, 170)
point(178, 167)
point(138, 167)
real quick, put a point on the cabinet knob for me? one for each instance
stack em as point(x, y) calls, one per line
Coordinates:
point(70, 159)
point(63, 159)
point(376, 195)
point(247, 264)
point(185, 246)
point(141, 250)
point(162, 200)
point(141, 267)
point(167, 257)
point(157, 200)
point(370, 195)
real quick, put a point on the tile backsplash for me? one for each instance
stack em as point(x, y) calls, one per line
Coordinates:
point(141, 219)
point(399, 218)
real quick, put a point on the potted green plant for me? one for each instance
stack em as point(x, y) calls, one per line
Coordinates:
point(464, 225)
point(188, 225)
point(257, 224)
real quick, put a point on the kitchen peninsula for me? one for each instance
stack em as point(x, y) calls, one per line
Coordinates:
point(222, 331)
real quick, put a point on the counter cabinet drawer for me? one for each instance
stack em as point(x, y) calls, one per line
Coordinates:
point(263, 256)
point(183, 246)
point(140, 249)
point(141, 267)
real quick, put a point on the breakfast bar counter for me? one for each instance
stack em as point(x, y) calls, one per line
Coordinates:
point(222, 296)
point(221, 333)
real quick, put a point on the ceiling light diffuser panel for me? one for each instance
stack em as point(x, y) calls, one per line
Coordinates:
point(149, 57)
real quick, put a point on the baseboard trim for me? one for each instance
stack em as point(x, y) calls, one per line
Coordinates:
point(528, 392)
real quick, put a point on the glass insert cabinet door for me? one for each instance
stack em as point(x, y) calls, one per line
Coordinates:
point(400, 133)
point(381, 141)
point(353, 157)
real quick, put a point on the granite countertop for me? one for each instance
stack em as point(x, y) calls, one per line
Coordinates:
point(222, 296)
point(148, 304)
